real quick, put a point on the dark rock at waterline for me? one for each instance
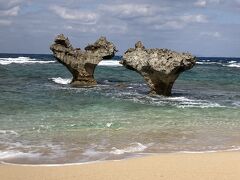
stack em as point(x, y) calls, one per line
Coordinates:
point(159, 67)
point(79, 62)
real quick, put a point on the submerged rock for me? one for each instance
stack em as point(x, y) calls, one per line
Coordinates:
point(159, 67)
point(79, 62)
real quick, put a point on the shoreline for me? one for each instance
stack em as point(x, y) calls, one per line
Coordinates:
point(139, 155)
point(185, 166)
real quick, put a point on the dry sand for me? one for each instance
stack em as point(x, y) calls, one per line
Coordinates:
point(208, 166)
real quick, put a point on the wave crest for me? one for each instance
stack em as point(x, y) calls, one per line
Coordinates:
point(22, 60)
point(135, 147)
point(109, 63)
point(17, 154)
point(229, 63)
point(60, 80)
point(8, 132)
point(236, 65)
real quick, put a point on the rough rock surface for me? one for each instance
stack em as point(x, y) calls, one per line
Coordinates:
point(79, 62)
point(159, 67)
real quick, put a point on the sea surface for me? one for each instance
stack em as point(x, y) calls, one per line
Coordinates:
point(43, 120)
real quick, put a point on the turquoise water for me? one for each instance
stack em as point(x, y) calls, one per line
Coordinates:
point(43, 120)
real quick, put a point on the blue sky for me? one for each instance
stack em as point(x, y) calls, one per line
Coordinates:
point(202, 27)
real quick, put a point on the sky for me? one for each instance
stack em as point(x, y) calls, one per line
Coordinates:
point(201, 27)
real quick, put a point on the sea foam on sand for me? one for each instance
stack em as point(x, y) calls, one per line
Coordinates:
point(220, 166)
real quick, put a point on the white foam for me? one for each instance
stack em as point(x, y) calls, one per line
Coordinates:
point(235, 65)
point(8, 132)
point(183, 102)
point(109, 124)
point(17, 154)
point(22, 60)
point(54, 165)
point(181, 98)
point(233, 148)
point(200, 104)
point(230, 62)
point(196, 152)
point(92, 153)
point(135, 147)
point(60, 80)
point(179, 102)
point(236, 103)
point(207, 62)
point(109, 63)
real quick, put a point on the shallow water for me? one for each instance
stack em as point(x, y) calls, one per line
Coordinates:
point(43, 120)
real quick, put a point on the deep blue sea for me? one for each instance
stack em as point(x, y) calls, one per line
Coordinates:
point(43, 120)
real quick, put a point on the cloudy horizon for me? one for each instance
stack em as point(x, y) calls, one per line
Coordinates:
point(202, 27)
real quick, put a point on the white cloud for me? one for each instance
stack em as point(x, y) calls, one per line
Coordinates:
point(7, 4)
point(174, 22)
point(215, 1)
point(84, 17)
point(198, 18)
point(201, 3)
point(5, 22)
point(237, 2)
point(211, 34)
point(81, 28)
point(130, 10)
point(205, 3)
point(10, 12)
point(124, 21)
point(68, 27)
point(150, 16)
point(114, 28)
point(167, 25)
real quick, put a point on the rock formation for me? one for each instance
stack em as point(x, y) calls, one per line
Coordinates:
point(159, 67)
point(82, 63)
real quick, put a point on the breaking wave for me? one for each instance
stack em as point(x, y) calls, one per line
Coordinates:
point(183, 102)
point(22, 60)
point(135, 147)
point(17, 154)
point(236, 65)
point(179, 102)
point(60, 80)
point(109, 63)
point(8, 132)
point(129, 93)
point(226, 63)
point(237, 103)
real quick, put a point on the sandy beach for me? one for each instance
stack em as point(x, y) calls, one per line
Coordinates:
point(205, 166)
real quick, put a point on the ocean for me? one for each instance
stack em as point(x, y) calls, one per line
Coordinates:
point(43, 120)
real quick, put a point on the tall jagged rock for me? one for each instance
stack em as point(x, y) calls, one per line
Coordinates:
point(159, 67)
point(82, 63)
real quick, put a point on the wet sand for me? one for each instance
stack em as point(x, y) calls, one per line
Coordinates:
point(205, 166)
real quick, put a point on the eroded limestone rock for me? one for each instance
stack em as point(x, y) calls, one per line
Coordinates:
point(159, 67)
point(79, 62)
